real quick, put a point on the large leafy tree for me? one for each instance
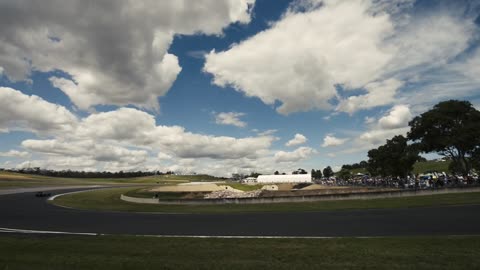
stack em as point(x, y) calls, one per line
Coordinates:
point(451, 128)
point(476, 159)
point(328, 172)
point(395, 158)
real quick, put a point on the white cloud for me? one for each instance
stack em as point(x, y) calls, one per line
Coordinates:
point(116, 53)
point(87, 149)
point(298, 139)
point(163, 156)
point(331, 140)
point(378, 94)
point(15, 153)
point(335, 44)
point(62, 163)
point(230, 118)
point(369, 120)
point(380, 47)
point(124, 138)
point(299, 154)
point(267, 132)
point(398, 117)
point(32, 113)
point(124, 124)
point(394, 122)
point(379, 136)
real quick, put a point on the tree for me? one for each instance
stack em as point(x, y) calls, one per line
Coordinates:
point(344, 174)
point(254, 174)
point(276, 173)
point(451, 128)
point(316, 174)
point(395, 158)
point(476, 159)
point(328, 172)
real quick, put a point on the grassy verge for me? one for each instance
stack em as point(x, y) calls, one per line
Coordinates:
point(122, 252)
point(429, 166)
point(109, 200)
point(243, 187)
point(18, 180)
point(145, 193)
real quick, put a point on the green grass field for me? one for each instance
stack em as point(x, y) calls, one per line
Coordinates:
point(128, 252)
point(418, 168)
point(109, 200)
point(429, 166)
point(243, 187)
point(12, 180)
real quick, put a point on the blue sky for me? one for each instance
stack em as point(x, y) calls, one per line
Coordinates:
point(222, 87)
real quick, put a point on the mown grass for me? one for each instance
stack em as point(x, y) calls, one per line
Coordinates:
point(430, 166)
point(418, 167)
point(12, 180)
point(145, 193)
point(243, 187)
point(129, 252)
point(109, 200)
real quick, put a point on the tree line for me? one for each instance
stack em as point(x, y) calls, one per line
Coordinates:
point(91, 174)
point(451, 129)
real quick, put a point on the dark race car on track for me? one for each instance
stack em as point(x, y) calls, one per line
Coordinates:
point(42, 194)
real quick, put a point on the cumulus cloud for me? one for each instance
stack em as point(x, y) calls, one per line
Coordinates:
point(331, 140)
point(398, 117)
point(121, 139)
point(298, 139)
point(32, 113)
point(299, 154)
point(378, 94)
point(15, 154)
point(230, 118)
point(124, 124)
point(394, 122)
point(374, 46)
point(88, 149)
point(116, 52)
point(301, 72)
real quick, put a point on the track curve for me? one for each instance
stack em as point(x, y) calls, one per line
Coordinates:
point(25, 211)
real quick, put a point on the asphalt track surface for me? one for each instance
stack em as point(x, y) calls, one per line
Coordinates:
point(25, 211)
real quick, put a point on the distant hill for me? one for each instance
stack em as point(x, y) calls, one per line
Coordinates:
point(431, 165)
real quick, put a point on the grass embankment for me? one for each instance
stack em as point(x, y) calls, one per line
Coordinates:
point(12, 180)
point(418, 167)
point(431, 166)
point(124, 252)
point(109, 200)
point(243, 187)
point(146, 193)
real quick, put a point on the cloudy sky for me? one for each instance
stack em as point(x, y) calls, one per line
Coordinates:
point(228, 86)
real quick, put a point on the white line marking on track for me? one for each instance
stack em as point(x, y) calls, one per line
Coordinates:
point(24, 231)
point(8, 230)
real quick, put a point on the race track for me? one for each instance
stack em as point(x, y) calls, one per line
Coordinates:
point(25, 211)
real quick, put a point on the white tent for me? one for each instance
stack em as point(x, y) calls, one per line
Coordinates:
point(290, 178)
